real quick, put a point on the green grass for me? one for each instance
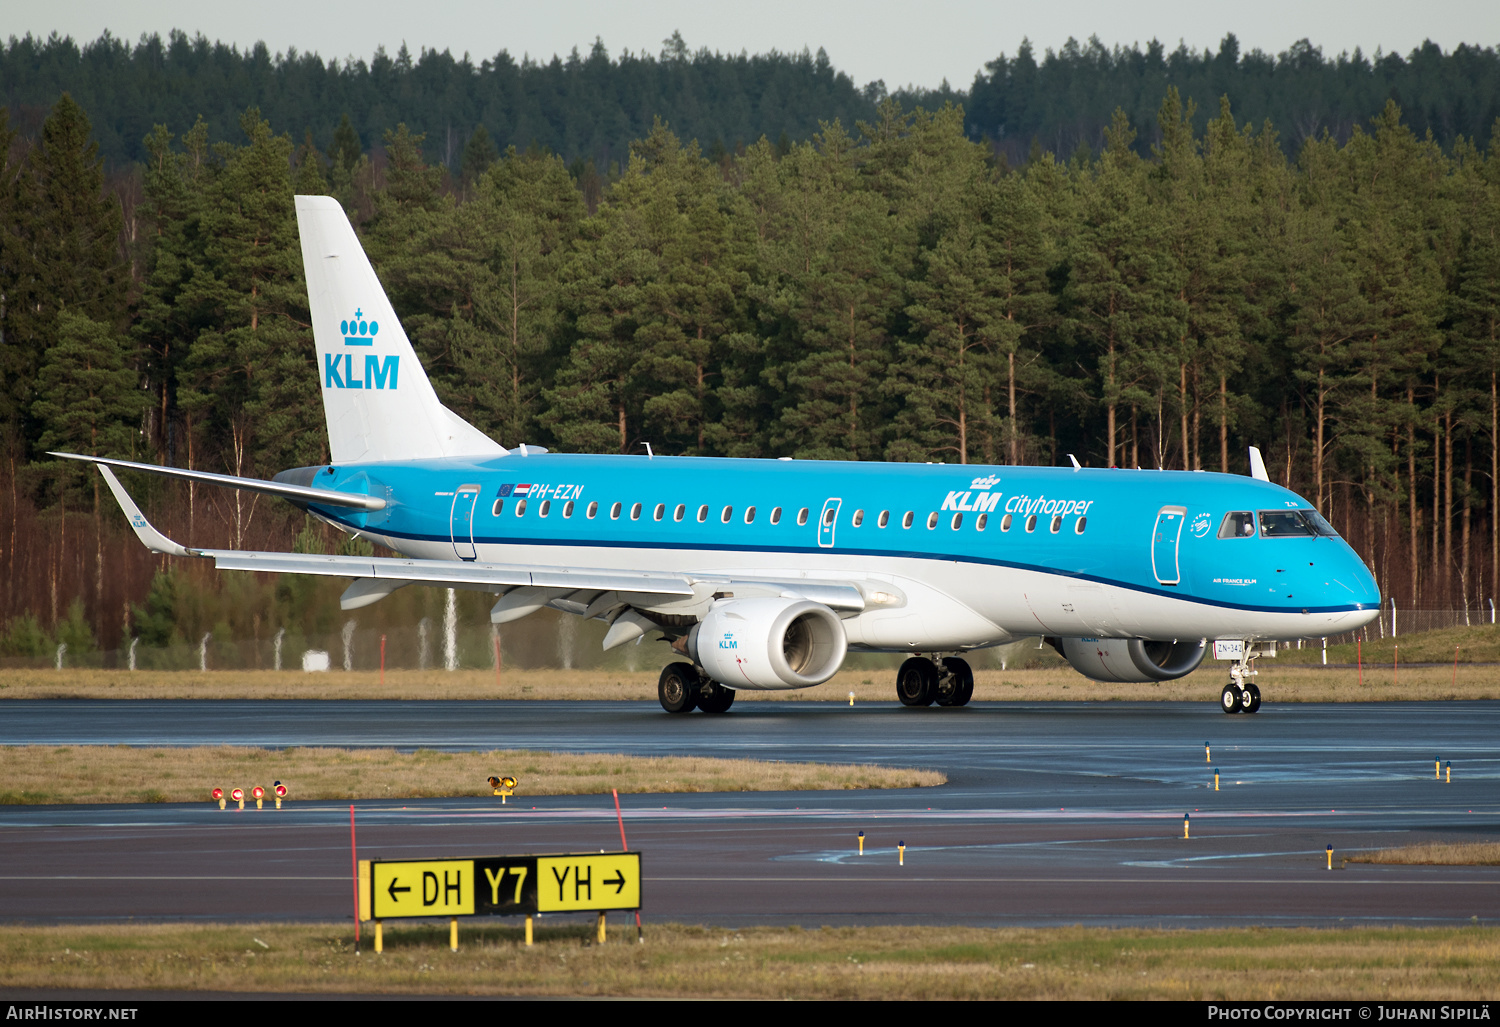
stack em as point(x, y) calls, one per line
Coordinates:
point(709, 962)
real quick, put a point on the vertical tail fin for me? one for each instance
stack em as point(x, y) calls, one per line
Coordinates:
point(376, 397)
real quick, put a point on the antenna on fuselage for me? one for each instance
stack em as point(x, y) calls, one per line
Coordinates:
point(649, 455)
point(1076, 465)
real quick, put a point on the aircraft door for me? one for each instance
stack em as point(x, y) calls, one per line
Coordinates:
point(1164, 542)
point(827, 521)
point(462, 521)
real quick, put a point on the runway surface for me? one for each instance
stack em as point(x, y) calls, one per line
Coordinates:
point(1054, 813)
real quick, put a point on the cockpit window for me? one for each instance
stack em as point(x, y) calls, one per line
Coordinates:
point(1240, 524)
point(1294, 524)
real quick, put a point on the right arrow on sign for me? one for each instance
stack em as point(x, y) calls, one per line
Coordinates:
point(618, 881)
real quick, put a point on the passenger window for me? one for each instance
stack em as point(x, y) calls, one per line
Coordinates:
point(568, 509)
point(1031, 523)
point(776, 515)
point(1005, 523)
point(546, 507)
point(859, 518)
point(499, 506)
point(1079, 525)
point(727, 514)
point(1240, 524)
point(830, 514)
point(981, 522)
point(678, 513)
point(802, 517)
point(593, 510)
point(520, 508)
point(702, 513)
point(885, 518)
point(635, 512)
point(614, 512)
point(1056, 523)
point(660, 511)
point(750, 515)
point(958, 521)
point(906, 521)
point(932, 520)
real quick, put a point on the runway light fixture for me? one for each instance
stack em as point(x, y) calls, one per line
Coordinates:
point(258, 794)
point(218, 794)
point(861, 843)
point(504, 787)
point(1185, 817)
point(280, 793)
point(1330, 857)
point(238, 795)
point(901, 853)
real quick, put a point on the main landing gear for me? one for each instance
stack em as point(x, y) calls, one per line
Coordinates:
point(922, 681)
point(682, 688)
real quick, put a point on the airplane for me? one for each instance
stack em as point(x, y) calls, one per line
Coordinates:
point(763, 573)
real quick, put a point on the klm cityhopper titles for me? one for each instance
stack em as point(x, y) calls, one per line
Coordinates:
point(762, 574)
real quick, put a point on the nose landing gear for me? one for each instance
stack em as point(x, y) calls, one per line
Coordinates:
point(1241, 696)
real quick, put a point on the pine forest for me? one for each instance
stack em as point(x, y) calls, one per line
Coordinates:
point(792, 267)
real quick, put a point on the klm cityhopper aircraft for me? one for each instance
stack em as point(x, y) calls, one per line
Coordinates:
point(763, 573)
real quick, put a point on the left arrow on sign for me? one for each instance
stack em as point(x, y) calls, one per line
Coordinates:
point(393, 889)
point(618, 881)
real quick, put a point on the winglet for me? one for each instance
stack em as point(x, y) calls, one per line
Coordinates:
point(1258, 465)
point(149, 536)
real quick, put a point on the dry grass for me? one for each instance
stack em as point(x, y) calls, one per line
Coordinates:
point(1280, 680)
point(1459, 854)
point(700, 962)
point(1477, 644)
point(45, 774)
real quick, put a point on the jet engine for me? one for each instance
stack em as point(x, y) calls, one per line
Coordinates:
point(1132, 659)
point(772, 642)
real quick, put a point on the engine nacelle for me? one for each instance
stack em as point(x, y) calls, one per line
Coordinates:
point(1132, 659)
point(768, 643)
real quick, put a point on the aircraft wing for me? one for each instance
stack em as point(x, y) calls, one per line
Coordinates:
point(594, 592)
point(400, 570)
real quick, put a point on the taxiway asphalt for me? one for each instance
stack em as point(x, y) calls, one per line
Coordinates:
point(1055, 813)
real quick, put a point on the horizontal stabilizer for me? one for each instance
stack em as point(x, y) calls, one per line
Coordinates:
point(297, 493)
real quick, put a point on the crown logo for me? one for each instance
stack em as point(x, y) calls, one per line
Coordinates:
point(357, 331)
point(984, 483)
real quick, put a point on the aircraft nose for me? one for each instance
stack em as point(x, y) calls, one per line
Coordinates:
point(1352, 582)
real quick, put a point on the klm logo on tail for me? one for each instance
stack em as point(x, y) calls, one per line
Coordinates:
point(379, 373)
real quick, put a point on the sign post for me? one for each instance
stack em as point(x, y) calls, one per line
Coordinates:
point(499, 886)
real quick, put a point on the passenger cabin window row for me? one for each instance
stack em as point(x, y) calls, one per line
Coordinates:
point(1273, 523)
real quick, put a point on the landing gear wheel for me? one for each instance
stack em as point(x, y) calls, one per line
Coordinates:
point(1251, 702)
point(1231, 699)
point(960, 683)
point(714, 697)
point(677, 689)
point(916, 682)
